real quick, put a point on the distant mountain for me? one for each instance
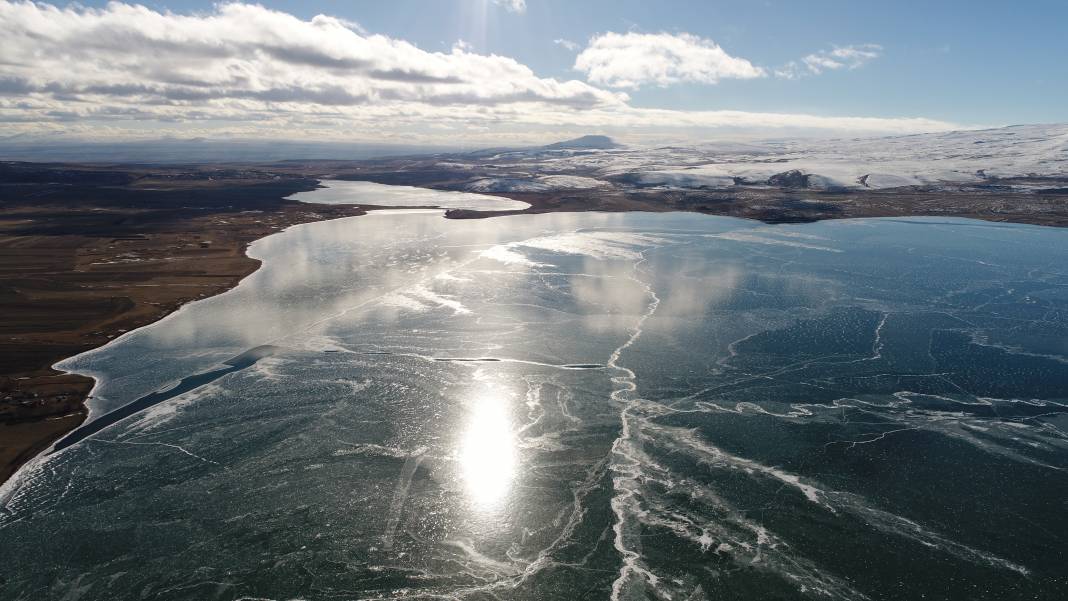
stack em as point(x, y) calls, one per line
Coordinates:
point(584, 143)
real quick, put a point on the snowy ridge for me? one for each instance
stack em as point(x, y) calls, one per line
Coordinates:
point(952, 159)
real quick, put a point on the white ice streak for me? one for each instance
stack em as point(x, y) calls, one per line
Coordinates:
point(400, 495)
point(594, 244)
point(376, 450)
point(625, 468)
point(419, 298)
point(729, 532)
point(506, 253)
point(157, 415)
point(686, 441)
point(711, 455)
point(178, 448)
point(597, 244)
point(770, 238)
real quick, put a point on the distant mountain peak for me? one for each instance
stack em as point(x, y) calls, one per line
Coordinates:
point(595, 142)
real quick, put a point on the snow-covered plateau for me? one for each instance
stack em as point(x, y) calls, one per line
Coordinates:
point(1016, 157)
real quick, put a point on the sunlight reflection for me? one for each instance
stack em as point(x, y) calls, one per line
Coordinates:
point(487, 455)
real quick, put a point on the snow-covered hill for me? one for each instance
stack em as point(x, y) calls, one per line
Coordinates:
point(953, 159)
point(962, 157)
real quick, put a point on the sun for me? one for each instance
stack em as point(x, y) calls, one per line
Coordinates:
point(488, 452)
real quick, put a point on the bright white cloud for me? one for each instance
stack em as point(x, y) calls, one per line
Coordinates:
point(254, 55)
point(631, 60)
point(247, 71)
point(840, 57)
point(515, 6)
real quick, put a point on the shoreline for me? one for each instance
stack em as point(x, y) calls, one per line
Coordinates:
point(43, 404)
point(771, 206)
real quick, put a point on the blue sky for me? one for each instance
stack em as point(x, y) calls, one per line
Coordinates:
point(959, 63)
point(976, 62)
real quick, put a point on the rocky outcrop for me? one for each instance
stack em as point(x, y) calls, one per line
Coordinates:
point(789, 179)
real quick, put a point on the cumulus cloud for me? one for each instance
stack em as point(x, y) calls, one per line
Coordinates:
point(515, 6)
point(632, 60)
point(250, 53)
point(568, 44)
point(839, 57)
point(243, 70)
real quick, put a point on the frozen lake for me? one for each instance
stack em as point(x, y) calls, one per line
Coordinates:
point(578, 405)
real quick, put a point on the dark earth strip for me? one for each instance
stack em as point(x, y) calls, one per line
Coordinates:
point(245, 359)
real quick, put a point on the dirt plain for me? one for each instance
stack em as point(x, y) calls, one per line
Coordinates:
point(85, 260)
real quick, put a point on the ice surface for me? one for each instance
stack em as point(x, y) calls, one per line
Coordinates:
point(369, 193)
